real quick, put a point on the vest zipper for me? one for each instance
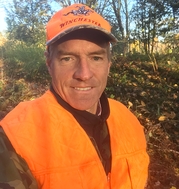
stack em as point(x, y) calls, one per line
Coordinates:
point(109, 180)
point(96, 151)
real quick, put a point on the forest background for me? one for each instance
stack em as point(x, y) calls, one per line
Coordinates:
point(144, 75)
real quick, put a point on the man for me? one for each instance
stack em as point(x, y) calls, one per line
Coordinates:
point(73, 136)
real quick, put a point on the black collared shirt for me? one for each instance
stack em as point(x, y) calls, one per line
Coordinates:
point(95, 127)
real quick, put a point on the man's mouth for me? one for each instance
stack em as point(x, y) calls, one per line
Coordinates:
point(83, 89)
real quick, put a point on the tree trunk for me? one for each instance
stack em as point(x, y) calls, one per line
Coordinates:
point(149, 32)
point(127, 30)
point(1, 70)
point(117, 12)
point(154, 35)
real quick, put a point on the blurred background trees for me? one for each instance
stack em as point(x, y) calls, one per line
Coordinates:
point(26, 20)
point(145, 22)
point(141, 26)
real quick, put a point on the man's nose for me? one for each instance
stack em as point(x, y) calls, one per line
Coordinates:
point(83, 71)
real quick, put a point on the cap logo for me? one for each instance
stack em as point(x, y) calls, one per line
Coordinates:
point(80, 11)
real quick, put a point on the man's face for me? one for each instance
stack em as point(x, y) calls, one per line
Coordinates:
point(79, 68)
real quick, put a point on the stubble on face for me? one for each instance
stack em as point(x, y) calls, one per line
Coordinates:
point(79, 66)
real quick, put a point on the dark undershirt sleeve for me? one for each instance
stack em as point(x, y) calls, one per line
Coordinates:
point(14, 171)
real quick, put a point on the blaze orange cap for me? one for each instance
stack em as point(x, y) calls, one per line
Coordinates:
point(75, 17)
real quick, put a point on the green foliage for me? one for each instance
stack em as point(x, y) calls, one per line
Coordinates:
point(153, 19)
point(169, 58)
point(110, 89)
point(139, 56)
point(112, 96)
point(1, 86)
point(136, 81)
point(118, 49)
point(24, 61)
point(26, 20)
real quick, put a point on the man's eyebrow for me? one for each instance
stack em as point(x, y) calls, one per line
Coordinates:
point(101, 51)
point(97, 52)
point(61, 52)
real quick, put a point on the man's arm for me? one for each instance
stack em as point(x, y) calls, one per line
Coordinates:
point(14, 171)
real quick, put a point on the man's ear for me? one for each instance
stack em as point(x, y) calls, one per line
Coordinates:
point(48, 61)
point(109, 66)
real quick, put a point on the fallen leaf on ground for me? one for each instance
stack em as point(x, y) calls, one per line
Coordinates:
point(142, 103)
point(162, 118)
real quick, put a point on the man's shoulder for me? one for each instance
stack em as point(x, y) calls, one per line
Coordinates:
point(17, 171)
point(37, 112)
point(114, 104)
point(126, 127)
point(26, 108)
point(120, 111)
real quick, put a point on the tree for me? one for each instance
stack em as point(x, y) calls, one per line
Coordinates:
point(98, 5)
point(149, 17)
point(112, 11)
point(127, 27)
point(121, 22)
point(175, 7)
point(26, 20)
point(140, 16)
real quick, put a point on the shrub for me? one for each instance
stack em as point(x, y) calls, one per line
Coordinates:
point(25, 61)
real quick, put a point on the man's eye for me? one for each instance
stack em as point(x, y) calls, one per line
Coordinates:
point(66, 58)
point(96, 58)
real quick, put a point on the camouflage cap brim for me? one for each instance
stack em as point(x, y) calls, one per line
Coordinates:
point(108, 35)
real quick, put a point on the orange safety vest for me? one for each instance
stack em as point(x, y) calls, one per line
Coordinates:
point(60, 155)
